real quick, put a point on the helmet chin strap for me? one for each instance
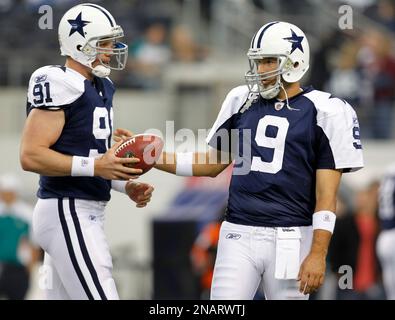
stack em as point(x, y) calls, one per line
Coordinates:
point(101, 71)
point(273, 91)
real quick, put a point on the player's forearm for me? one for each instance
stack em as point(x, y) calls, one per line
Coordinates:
point(166, 162)
point(48, 162)
point(45, 161)
point(320, 243)
point(327, 184)
point(208, 170)
point(326, 190)
point(325, 202)
point(202, 164)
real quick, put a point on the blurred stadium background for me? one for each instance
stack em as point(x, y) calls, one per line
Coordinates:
point(185, 55)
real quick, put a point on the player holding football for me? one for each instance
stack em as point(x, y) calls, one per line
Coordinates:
point(66, 140)
point(280, 214)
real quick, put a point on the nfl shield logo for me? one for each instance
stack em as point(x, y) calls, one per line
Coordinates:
point(278, 105)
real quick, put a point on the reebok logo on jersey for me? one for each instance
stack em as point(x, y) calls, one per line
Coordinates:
point(40, 78)
point(288, 230)
point(233, 236)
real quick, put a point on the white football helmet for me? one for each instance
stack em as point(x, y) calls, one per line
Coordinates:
point(81, 30)
point(289, 45)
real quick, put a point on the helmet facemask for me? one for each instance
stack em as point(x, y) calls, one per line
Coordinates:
point(118, 52)
point(254, 78)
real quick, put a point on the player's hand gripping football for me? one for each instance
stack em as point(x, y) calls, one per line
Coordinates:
point(312, 273)
point(121, 134)
point(140, 193)
point(111, 167)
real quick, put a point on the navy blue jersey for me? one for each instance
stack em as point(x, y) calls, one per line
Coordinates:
point(387, 200)
point(279, 150)
point(88, 125)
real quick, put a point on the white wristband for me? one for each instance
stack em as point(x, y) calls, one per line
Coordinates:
point(119, 185)
point(82, 167)
point(324, 220)
point(184, 163)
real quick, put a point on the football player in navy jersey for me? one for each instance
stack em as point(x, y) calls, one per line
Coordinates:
point(386, 239)
point(67, 140)
point(293, 144)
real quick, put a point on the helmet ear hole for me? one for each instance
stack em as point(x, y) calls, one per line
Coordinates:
point(296, 64)
point(79, 47)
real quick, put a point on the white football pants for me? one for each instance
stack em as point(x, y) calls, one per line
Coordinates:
point(386, 254)
point(77, 263)
point(246, 256)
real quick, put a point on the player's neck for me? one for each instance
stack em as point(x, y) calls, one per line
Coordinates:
point(76, 66)
point(292, 90)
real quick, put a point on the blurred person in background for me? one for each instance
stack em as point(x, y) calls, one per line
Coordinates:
point(18, 253)
point(344, 80)
point(203, 253)
point(320, 65)
point(184, 47)
point(383, 11)
point(148, 57)
point(376, 66)
point(354, 244)
point(386, 240)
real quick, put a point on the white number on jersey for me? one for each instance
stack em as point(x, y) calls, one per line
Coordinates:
point(41, 94)
point(277, 143)
point(101, 133)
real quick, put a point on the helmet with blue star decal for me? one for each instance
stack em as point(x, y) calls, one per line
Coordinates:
point(285, 42)
point(83, 30)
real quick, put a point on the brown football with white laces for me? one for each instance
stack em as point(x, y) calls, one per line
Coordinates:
point(146, 147)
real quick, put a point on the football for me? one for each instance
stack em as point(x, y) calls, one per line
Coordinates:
point(146, 147)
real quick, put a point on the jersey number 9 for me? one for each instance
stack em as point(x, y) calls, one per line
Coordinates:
point(277, 143)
